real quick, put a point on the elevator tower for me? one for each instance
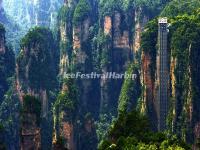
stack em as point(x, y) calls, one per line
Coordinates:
point(162, 74)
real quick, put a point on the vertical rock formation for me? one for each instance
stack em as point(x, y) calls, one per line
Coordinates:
point(34, 12)
point(30, 129)
point(65, 37)
point(7, 63)
point(30, 134)
point(116, 54)
point(75, 21)
point(36, 72)
point(103, 40)
point(148, 70)
point(140, 22)
point(2, 40)
point(65, 116)
point(3, 83)
point(183, 115)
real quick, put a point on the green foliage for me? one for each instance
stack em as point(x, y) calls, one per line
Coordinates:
point(132, 132)
point(68, 99)
point(32, 105)
point(35, 35)
point(149, 37)
point(150, 7)
point(103, 125)
point(8, 109)
point(184, 37)
point(65, 14)
point(81, 12)
point(103, 43)
point(132, 124)
point(130, 91)
point(108, 7)
point(149, 42)
point(39, 55)
point(179, 7)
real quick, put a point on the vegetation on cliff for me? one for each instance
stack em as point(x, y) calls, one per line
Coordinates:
point(131, 131)
point(40, 56)
point(183, 39)
point(81, 12)
point(65, 29)
point(31, 105)
point(67, 100)
point(149, 43)
point(149, 7)
point(182, 44)
point(178, 7)
point(36, 74)
point(7, 64)
point(8, 110)
point(130, 92)
point(37, 70)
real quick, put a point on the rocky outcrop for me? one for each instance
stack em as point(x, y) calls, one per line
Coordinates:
point(108, 25)
point(65, 117)
point(102, 42)
point(120, 37)
point(183, 116)
point(36, 72)
point(117, 52)
point(65, 38)
point(140, 21)
point(149, 93)
point(7, 63)
point(30, 133)
point(29, 77)
point(75, 56)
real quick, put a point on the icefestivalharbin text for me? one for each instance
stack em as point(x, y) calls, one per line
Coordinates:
point(95, 75)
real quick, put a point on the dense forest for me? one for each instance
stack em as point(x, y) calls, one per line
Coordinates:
point(50, 51)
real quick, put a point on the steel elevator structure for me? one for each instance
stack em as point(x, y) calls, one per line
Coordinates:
point(162, 74)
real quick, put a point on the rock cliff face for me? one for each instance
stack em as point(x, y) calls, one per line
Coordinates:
point(102, 38)
point(139, 27)
point(31, 13)
point(36, 72)
point(119, 53)
point(30, 119)
point(92, 42)
point(148, 72)
point(183, 117)
point(7, 67)
point(7, 63)
point(76, 56)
